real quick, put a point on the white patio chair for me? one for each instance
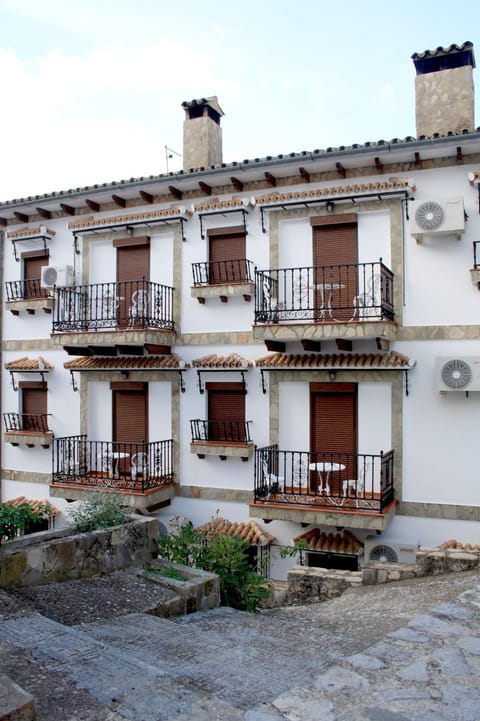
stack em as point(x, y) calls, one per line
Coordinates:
point(273, 482)
point(139, 465)
point(140, 304)
point(368, 304)
point(357, 485)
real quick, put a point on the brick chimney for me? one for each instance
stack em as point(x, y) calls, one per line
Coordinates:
point(444, 90)
point(202, 134)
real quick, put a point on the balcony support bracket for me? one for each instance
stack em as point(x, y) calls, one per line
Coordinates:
point(74, 385)
point(181, 382)
point(201, 386)
point(243, 211)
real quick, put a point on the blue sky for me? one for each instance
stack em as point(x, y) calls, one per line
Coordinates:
point(92, 89)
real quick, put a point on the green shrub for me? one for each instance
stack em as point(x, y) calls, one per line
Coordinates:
point(99, 510)
point(16, 520)
point(227, 556)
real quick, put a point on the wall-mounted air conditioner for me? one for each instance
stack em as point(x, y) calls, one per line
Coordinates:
point(389, 551)
point(457, 374)
point(56, 276)
point(438, 216)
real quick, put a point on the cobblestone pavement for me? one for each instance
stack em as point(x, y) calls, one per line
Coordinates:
point(408, 651)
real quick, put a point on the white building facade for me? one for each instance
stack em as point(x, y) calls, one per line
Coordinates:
point(294, 340)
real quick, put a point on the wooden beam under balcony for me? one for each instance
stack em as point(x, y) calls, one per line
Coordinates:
point(340, 170)
point(22, 217)
point(378, 165)
point(3, 222)
point(343, 344)
point(313, 346)
point(44, 213)
point(275, 345)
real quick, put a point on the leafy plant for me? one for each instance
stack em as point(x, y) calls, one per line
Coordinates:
point(99, 510)
point(227, 556)
point(15, 520)
point(184, 545)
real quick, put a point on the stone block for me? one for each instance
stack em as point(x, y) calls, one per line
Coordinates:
point(15, 703)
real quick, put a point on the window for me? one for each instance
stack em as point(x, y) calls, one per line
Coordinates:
point(335, 258)
point(32, 265)
point(227, 255)
point(34, 406)
point(226, 412)
point(133, 276)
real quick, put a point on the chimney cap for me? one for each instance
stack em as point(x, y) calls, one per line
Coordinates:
point(454, 56)
point(211, 101)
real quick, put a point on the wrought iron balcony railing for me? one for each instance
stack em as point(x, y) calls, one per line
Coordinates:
point(124, 305)
point(336, 480)
point(325, 294)
point(220, 431)
point(223, 271)
point(25, 289)
point(32, 422)
point(124, 466)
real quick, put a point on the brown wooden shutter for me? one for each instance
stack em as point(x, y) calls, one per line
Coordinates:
point(334, 423)
point(335, 256)
point(32, 273)
point(34, 401)
point(133, 272)
point(226, 411)
point(227, 255)
point(130, 409)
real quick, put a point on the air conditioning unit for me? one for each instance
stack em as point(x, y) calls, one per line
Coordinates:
point(389, 551)
point(58, 276)
point(457, 374)
point(436, 217)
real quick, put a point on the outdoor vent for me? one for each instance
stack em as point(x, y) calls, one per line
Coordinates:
point(437, 217)
point(457, 374)
point(389, 551)
point(56, 276)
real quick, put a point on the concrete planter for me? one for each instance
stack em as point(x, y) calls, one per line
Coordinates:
point(198, 591)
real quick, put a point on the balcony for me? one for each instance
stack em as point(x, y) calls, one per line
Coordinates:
point(142, 473)
point(131, 308)
point(339, 301)
point(221, 438)
point(223, 279)
point(30, 429)
point(27, 295)
point(339, 489)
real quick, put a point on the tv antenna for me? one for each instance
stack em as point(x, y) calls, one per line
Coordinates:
point(169, 153)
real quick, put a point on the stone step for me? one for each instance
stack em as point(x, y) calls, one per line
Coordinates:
point(231, 653)
point(121, 680)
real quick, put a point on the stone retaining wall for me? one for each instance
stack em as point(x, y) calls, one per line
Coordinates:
point(51, 556)
point(309, 585)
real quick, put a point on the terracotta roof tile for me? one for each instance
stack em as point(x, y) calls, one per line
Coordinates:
point(317, 540)
point(317, 361)
point(29, 364)
point(34, 505)
point(250, 531)
point(441, 51)
point(217, 361)
point(153, 362)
